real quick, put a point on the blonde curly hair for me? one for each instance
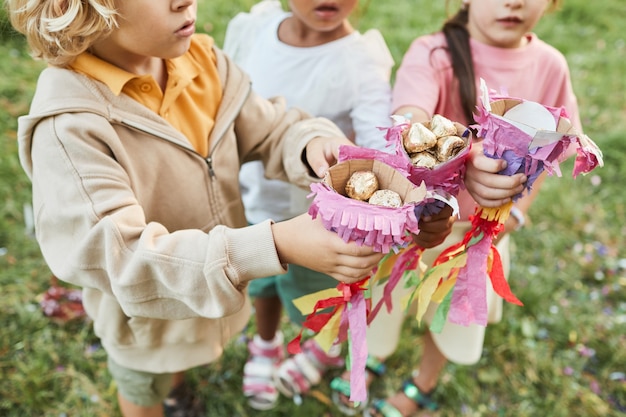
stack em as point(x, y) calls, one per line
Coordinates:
point(59, 30)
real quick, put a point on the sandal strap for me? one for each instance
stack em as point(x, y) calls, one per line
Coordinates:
point(320, 358)
point(303, 370)
point(385, 409)
point(372, 364)
point(274, 354)
point(375, 366)
point(340, 385)
point(423, 400)
point(258, 372)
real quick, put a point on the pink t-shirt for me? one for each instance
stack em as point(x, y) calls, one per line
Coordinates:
point(536, 72)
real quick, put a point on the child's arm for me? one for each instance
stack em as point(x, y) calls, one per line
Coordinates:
point(416, 114)
point(483, 182)
point(304, 241)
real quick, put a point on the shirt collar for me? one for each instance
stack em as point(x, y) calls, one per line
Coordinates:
point(116, 78)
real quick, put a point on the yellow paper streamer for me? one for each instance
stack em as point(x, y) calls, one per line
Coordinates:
point(306, 303)
point(430, 285)
point(445, 288)
point(327, 336)
point(386, 266)
point(499, 214)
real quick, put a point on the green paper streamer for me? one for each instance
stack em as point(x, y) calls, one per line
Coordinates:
point(441, 315)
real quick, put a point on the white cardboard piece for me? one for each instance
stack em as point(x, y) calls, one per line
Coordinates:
point(530, 117)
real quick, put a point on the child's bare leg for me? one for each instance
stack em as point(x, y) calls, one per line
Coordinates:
point(431, 365)
point(268, 312)
point(129, 409)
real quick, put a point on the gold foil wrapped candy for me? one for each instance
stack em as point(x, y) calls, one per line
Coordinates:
point(434, 142)
point(386, 198)
point(418, 138)
point(448, 146)
point(361, 185)
point(423, 159)
point(441, 126)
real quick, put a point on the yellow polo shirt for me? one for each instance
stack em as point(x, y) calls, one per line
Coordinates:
point(192, 95)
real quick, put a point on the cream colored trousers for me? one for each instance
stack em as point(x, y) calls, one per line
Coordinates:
point(459, 344)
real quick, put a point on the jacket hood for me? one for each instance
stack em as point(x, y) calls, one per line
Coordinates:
point(62, 91)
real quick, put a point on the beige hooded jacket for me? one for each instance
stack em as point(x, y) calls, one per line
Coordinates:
point(153, 232)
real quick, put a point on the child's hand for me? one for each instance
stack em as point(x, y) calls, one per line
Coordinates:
point(322, 152)
point(483, 182)
point(304, 241)
point(434, 229)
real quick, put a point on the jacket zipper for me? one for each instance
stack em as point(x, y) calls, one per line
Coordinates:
point(157, 134)
point(209, 159)
point(209, 162)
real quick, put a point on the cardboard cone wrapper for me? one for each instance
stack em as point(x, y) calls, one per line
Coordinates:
point(532, 138)
point(442, 182)
point(383, 228)
point(444, 179)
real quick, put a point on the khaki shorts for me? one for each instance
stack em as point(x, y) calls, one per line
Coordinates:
point(140, 388)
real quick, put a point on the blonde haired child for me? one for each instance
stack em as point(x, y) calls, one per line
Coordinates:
point(133, 143)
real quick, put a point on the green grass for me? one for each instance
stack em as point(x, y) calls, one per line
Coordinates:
point(559, 355)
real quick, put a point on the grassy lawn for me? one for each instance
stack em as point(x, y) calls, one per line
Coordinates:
point(562, 354)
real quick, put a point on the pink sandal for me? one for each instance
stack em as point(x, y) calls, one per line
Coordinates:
point(259, 373)
point(300, 372)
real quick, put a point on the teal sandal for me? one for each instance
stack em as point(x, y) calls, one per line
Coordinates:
point(383, 408)
point(341, 387)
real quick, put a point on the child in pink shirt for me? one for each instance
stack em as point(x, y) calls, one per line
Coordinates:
point(440, 74)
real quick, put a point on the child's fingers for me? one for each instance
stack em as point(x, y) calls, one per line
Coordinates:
point(434, 229)
point(481, 162)
point(351, 269)
point(486, 186)
point(496, 191)
point(322, 153)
